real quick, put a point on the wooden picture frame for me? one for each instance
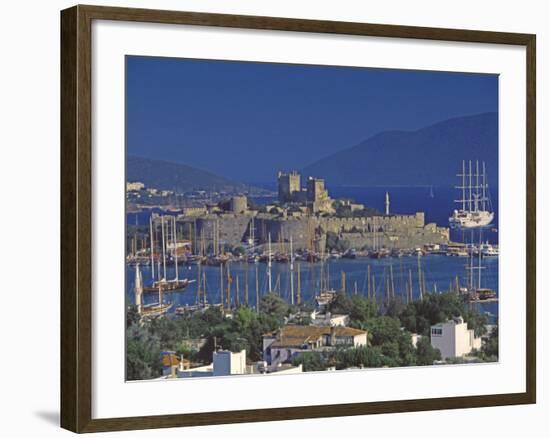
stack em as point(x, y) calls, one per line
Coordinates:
point(76, 217)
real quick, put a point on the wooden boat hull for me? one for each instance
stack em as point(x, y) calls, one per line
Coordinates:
point(168, 286)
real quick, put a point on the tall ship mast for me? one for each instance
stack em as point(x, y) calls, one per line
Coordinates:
point(475, 202)
point(161, 281)
point(148, 310)
point(269, 280)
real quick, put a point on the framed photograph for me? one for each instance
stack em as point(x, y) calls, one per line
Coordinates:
point(269, 218)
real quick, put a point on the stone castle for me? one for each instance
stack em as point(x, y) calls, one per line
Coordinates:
point(310, 232)
point(308, 215)
point(314, 195)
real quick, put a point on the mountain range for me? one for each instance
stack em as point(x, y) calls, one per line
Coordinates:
point(428, 156)
point(168, 175)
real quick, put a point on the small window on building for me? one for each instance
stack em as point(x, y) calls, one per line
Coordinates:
point(437, 332)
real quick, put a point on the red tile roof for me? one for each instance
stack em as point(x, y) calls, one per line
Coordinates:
point(298, 335)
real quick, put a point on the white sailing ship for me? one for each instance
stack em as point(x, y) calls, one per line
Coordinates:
point(161, 281)
point(475, 203)
point(489, 250)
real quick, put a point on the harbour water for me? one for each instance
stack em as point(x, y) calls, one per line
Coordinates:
point(439, 272)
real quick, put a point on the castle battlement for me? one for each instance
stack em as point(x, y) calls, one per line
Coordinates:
point(309, 231)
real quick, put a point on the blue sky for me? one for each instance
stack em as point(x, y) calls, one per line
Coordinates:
point(246, 120)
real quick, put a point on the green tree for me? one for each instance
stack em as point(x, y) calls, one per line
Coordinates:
point(369, 357)
point(165, 330)
point(248, 332)
point(363, 309)
point(408, 319)
point(310, 361)
point(476, 321)
point(390, 350)
point(395, 308)
point(274, 306)
point(132, 316)
point(341, 304)
point(425, 353)
point(420, 315)
point(489, 349)
point(143, 359)
point(359, 308)
point(184, 349)
point(212, 316)
point(383, 329)
point(407, 352)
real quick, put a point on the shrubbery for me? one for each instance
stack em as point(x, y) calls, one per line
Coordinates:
point(389, 333)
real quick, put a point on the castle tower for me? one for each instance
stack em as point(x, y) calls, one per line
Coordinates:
point(239, 204)
point(289, 184)
point(316, 189)
point(317, 195)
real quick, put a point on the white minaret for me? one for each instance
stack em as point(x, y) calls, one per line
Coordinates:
point(387, 204)
point(138, 289)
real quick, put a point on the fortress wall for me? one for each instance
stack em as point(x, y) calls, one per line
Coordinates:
point(233, 228)
point(301, 230)
point(394, 231)
point(371, 224)
point(409, 240)
point(397, 231)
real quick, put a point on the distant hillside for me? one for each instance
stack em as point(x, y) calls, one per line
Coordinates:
point(176, 176)
point(429, 156)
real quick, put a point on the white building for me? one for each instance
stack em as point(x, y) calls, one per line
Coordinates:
point(287, 343)
point(224, 363)
point(328, 319)
point(134, 186)
point(227, 363)
point(453, 338)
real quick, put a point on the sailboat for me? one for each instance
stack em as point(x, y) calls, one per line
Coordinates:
point(326, 294)
point(148, 310)
point(475, 290)
point(475, 202)
point(378, 251)
point(175, 284)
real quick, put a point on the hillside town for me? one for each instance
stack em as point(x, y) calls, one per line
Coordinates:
point(282, 339)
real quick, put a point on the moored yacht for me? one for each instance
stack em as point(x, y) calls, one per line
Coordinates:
point(475, 202)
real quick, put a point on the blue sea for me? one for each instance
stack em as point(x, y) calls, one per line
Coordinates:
point(439, 272)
